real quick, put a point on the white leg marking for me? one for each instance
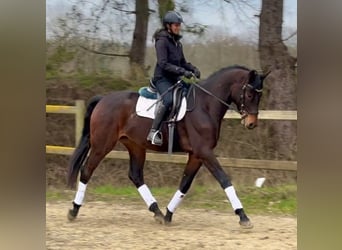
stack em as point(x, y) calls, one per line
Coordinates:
point(80, 193)
point(234, 200)
point(175, 201)
point(146, 195)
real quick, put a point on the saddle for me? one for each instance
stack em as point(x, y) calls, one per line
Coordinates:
point(178, 92)
point(150, 94)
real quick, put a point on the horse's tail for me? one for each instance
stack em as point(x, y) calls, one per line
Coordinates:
point(81, 151)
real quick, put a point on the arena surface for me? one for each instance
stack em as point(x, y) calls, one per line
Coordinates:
point(104, 225)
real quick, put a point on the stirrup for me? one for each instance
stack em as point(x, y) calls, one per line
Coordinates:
point(154, 137)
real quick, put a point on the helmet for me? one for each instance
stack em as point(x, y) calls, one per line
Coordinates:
point(172, 17)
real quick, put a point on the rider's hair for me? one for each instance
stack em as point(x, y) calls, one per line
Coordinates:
point(155, 34)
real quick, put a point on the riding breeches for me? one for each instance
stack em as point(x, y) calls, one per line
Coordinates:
point(162, 85)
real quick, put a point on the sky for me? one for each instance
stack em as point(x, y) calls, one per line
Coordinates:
point(221, 17)
point(209, 11)
point(239, 19)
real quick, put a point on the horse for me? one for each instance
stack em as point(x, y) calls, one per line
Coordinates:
point(112, 118)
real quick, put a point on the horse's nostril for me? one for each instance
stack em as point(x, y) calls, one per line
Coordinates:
point(251, 125)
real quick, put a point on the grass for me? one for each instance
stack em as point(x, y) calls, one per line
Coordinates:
point(52, 195)
point(265, 200)
point(281, 199)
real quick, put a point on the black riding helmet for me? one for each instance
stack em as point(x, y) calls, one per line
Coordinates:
point(172, 17)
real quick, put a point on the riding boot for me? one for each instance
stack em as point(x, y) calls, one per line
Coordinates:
point(154, 135)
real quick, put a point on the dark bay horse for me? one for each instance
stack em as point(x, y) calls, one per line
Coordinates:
point(112, 118)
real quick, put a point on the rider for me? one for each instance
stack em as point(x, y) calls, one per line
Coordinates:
point(170, 65)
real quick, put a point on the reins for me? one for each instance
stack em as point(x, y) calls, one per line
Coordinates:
point(211, 94)
point(161, 96)
point(241, 111)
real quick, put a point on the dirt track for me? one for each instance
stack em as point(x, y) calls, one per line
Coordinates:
point(102, 225)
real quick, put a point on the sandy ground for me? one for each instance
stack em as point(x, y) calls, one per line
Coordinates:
point(103, 225)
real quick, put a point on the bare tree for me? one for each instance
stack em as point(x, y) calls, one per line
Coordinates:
point(111, 18)
point(138, 48)
point(280, 87)
point(281, 84)
point(167, 5)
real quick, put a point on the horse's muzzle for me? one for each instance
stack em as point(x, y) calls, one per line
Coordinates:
point(250, 121)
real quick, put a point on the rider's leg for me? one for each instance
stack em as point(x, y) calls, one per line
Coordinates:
point(162, 86)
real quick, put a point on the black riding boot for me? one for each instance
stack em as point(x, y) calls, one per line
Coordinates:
point(154, 135)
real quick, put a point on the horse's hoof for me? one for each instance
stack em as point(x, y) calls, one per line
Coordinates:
point(168, 217)
point(247, 224)
point(159, 218)
point(71, 215)
point(167, 222)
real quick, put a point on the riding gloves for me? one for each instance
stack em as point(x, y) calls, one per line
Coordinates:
point(197, 73)
point(187, 74)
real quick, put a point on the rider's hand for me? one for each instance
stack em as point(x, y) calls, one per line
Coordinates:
point(197, 73)
point(188, 74)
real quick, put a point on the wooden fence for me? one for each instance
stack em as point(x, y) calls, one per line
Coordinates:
point(79, 109)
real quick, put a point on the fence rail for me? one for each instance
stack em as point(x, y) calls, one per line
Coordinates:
point(79, 110)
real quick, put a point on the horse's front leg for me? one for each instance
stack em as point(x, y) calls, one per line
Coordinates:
point(216, 170)
point(190, 172)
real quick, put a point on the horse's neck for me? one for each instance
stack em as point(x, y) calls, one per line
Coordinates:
point(222, 91)
point(220, 86)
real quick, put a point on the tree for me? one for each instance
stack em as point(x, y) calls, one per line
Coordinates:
point(138, 48)
point(167, 5)
point(281, 83)
point(89, 24)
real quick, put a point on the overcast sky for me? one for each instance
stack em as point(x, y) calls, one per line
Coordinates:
point(234, 19)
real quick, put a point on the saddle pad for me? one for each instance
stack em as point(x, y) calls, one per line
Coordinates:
point(144, 103)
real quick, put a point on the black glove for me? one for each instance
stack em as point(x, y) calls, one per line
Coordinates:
point(197, 73)
point(187, 74)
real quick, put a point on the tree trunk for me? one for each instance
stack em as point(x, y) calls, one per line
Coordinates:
point(138, 48)
point(281, 83)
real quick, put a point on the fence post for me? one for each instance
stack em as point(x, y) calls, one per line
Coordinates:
point(79, 120)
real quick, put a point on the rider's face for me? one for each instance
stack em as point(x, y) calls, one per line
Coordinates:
point(175, 28)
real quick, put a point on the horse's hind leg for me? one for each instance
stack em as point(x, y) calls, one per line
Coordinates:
point(190, 171)
point(93, 160)
point(137, 156)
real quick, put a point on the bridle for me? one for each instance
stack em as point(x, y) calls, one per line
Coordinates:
point(243, 110)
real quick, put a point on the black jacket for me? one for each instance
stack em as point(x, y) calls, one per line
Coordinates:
point(170, 58)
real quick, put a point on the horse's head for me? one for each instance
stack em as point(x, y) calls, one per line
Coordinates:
point(247, 95)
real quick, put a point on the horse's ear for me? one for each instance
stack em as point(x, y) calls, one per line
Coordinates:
point(265, 75)
point(251, 75)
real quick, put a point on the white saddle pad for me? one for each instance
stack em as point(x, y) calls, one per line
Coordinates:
point(144, 103)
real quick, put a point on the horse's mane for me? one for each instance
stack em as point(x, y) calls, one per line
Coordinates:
point(222, 70)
